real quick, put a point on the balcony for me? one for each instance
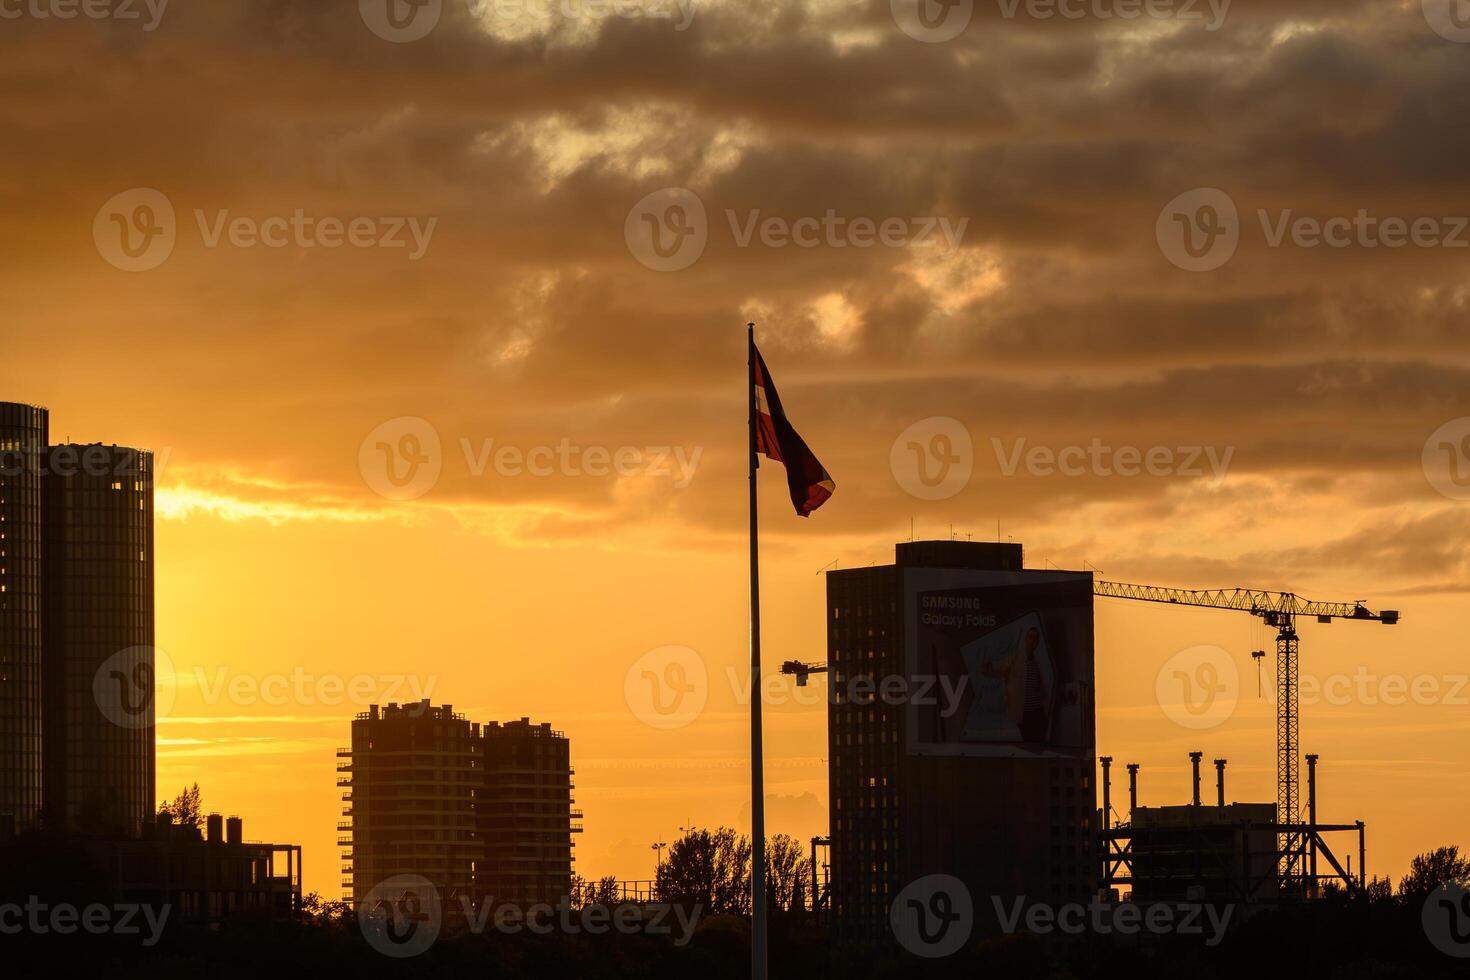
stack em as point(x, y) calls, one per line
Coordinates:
point(345, 825)
point(344, 753)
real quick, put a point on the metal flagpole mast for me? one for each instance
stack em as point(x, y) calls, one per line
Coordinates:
point(757, 781)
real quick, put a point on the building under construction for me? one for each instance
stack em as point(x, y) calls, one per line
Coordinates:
point(478, 811)
point(1221, 853)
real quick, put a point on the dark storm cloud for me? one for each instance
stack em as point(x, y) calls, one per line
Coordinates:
point(1057, 319)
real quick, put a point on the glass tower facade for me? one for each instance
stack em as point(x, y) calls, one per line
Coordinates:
point(23, 439)
point(97, 638)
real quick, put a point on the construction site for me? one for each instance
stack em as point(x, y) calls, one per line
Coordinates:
point(1008, 793)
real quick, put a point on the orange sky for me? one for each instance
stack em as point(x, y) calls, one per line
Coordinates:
point(527, 313)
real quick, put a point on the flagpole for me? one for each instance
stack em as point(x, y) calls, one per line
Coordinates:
point(757, 780)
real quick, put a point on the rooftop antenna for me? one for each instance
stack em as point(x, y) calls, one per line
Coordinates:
point(830, 564)
point(911, 529)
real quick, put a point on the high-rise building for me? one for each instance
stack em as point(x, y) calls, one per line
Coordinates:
point(961, 729)
point(97, 639)
point(23, 440)
point(413, 773)
point(526, 815)
point(76, 632)
point(479, 811)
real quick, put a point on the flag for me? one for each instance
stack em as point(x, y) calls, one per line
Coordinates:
point(808, 480)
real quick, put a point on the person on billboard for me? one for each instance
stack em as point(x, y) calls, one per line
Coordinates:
point(1012, 672)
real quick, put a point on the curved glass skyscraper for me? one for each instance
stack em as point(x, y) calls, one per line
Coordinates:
point(97, 638)
point(23, 439)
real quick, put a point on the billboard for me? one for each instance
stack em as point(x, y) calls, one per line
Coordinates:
point(1007, 659)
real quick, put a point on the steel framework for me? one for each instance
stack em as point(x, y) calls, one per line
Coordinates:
point(1278, 610)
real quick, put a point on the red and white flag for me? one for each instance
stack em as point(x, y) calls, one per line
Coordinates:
point(808, 480)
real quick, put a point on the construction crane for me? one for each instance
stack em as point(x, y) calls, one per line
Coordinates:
point(1279, 610)
point(802, 671)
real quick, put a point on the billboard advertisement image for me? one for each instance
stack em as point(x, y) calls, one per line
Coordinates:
point(1006, 659)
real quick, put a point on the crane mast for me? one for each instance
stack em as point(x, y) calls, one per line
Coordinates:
point(1279, 610)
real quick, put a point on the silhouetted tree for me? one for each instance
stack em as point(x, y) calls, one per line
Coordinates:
point(711, 869)
point(187, 808)
point(1427, 872)
point(607, 891)
point(788, 874)
point(1379, 890)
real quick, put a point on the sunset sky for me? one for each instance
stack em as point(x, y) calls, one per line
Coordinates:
point(1045, 307)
